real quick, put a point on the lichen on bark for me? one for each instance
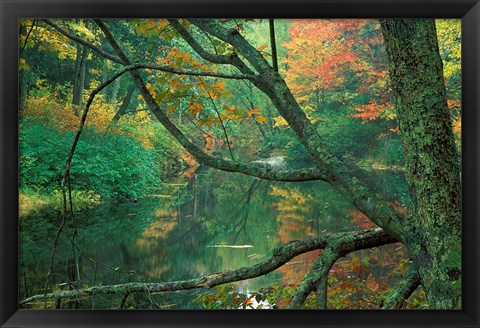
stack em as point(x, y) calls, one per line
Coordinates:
point(432, 231)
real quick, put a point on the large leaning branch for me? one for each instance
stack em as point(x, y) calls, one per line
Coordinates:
point(281, 255)
point(339, 175)
point(232, 59)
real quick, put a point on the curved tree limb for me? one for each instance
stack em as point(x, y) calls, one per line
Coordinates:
point(346, 240)
point(316, 278)
point(82, 41)
point(339, 175)
point(232, 59)
point(403, 290)
point(224, 165)
point(66, 173)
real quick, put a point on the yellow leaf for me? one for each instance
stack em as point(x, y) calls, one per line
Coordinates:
point(23, 65)
point(260, 119)
point(261, 48)
point(279, 121)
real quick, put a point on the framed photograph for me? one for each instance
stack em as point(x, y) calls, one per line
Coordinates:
point(179, 163)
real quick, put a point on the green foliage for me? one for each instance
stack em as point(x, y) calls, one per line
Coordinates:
point(349, 136)
point(35, 203)
point(110, 165)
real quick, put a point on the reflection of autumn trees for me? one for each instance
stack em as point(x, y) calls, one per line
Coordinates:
point(358, 280)
point(292, 208)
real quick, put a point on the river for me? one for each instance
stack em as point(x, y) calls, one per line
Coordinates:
point(190, 227)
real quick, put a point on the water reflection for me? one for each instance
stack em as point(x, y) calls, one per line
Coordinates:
point(172, 234)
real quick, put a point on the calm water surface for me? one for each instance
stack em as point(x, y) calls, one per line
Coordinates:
point(214, 221)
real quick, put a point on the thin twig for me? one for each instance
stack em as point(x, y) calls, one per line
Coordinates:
point(26, 38)
point(219, 118)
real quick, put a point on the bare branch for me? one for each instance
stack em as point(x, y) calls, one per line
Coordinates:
point(273, 45)
point(196, 73)
point(346, 241)
point(403, 290)
point(221, 121)
point(28, 35)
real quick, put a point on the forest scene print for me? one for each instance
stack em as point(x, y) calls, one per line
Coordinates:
point(240, 164)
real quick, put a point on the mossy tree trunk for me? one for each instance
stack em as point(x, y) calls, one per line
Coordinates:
point(432, 230)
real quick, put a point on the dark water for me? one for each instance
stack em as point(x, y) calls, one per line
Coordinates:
point(186, 229)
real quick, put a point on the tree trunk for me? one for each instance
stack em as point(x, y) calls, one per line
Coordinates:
point(80, 71)
point(273, 46)
point(22, 87)
point(115, 88)
point(432, 230)
point(124, 106)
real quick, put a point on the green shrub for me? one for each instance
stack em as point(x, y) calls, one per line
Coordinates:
point(112, 166)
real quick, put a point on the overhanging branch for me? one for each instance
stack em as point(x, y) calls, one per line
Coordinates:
point(82, 41)
point(224, 165)
point(232, 59)
point(347, 240)
point(162, 68)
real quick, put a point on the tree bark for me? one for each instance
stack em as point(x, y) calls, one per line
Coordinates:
point(273, 45)
point(402, 291)
point(432, 230)
point(123, 108)
point(79, 79)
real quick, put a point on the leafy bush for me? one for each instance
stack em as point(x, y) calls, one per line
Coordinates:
point(110, 165)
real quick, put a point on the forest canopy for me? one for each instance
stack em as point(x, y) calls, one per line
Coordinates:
point(240, 163)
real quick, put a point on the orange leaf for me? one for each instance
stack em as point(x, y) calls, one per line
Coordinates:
point(220, 85)
point(260, 119)
point(253, 111)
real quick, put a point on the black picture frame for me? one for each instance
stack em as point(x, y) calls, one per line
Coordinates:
point(11, 11)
